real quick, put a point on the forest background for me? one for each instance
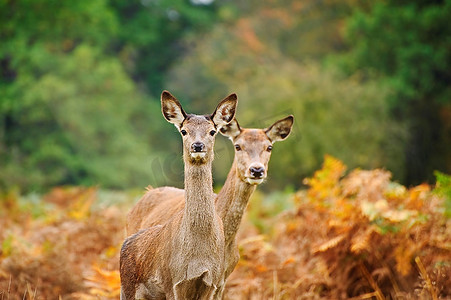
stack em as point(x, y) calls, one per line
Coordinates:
point(367, 81)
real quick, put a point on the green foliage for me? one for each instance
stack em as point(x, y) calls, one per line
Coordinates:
point(263, 209)
point(443, 189)
point(79, 121)
point(407, 45)
point(150, 34)
point(72, 76)
point(68, 111)
point(333, 114)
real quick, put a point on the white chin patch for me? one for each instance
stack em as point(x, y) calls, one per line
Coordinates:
point(198, 155)
point(254, 181)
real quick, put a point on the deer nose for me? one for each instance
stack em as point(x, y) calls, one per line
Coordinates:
point(257, 172)
point(197, 147)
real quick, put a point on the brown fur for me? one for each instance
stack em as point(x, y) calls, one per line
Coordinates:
point(157, 206)
point(184, 257)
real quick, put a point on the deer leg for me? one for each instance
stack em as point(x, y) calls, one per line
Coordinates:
point(231, 261)
point(219, 292)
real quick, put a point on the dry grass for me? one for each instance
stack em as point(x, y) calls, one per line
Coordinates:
point(354, 237)
point(359, 237)
point(58, 250)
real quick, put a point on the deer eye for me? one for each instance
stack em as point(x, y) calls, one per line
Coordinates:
point(237, 147)
point(183, 132)
point(269, 148)
point(212, 133)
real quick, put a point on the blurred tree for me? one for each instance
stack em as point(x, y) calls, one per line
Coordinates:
point(340, 116)
point(408, 45)
point(301, 30)
point(150, 35)
point(89, 57)
point(68, 112)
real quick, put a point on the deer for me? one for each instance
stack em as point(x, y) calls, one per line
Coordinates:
point(249, 168)
point(183, 257)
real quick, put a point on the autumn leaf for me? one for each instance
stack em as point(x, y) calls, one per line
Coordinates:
point(329, 244)
point(323, 184)
point(361, 241)
point(81, 207)
point(288, 261)
point(104, 283)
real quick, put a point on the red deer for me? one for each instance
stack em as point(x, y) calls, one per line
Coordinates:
point(183, 257)
point(252, 153)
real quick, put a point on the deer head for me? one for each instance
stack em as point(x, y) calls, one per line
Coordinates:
point(253, 147)
point(198, 131)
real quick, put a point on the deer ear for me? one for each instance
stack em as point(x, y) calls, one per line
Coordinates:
point(172, 109)
point(231, 130)
point(280, 129)
point(225, 111)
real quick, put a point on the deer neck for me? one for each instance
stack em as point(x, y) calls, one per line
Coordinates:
point(199, 207)
point(231, 202)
